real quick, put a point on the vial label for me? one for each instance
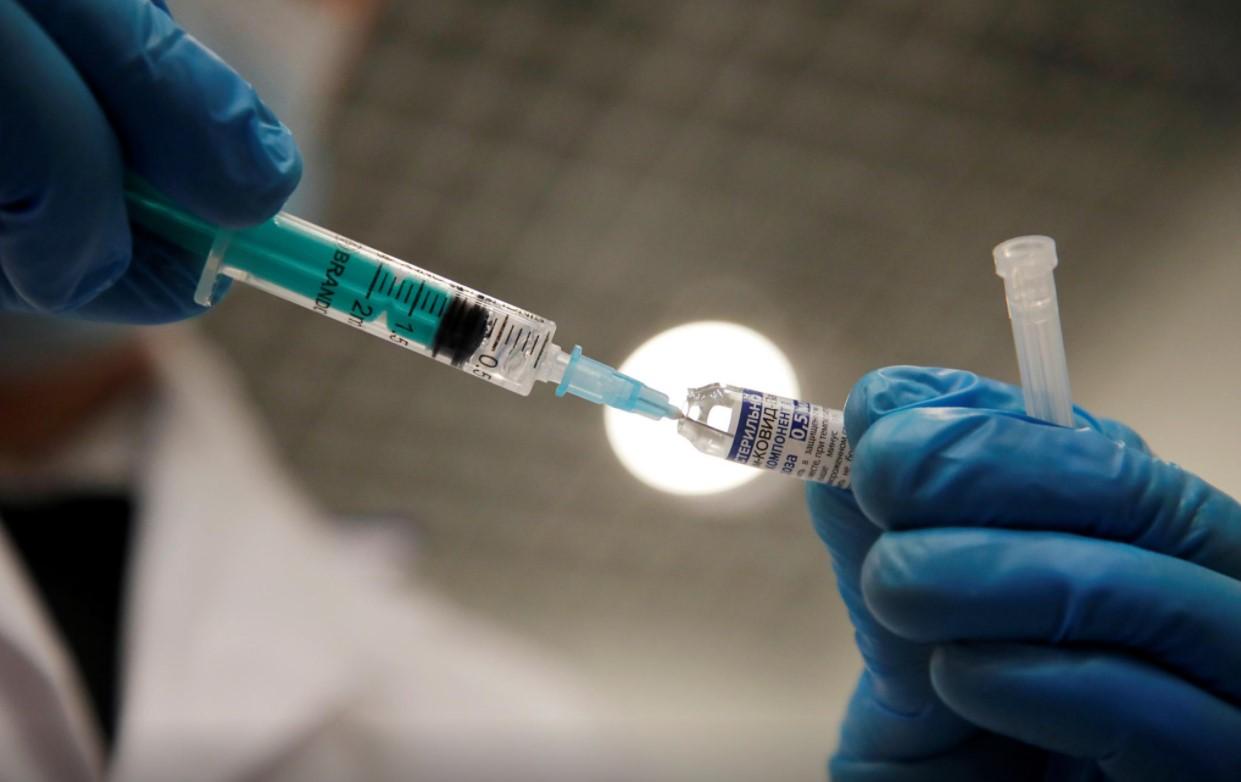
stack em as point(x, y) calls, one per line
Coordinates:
point(791, 437)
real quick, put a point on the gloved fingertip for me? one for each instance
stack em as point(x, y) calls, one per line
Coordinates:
point(955, 669)
point(887, 390)
point(94, 282)
point(836, 517)
point(246, 167)
point(878, 478)
point(910, 467)
point(961, 673)
point(280, 147)
point(895, 587)
point(820, 496)
point(276, 173)
point(947, 656)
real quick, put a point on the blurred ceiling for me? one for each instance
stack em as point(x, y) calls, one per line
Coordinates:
point(832, 174)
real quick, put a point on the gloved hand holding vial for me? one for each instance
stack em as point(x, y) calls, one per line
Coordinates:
point(1035, 594)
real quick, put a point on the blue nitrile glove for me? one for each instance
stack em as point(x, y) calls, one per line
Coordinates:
point(1031, 601)
point(88, 89)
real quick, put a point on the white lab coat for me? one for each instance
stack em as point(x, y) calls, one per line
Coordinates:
point(256, 650)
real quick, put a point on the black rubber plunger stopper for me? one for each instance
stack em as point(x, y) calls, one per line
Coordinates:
point(461, 331)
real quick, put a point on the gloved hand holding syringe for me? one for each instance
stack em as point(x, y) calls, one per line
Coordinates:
point(511, 347)
point(392, 299)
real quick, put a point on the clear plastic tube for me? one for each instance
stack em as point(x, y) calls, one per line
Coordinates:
point(1027, 265)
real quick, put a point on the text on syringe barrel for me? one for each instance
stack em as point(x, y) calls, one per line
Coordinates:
point(390, 298)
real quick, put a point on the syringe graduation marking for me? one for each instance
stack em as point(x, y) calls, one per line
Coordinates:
point(414, 305)
point(446, 321)
point(378, 271)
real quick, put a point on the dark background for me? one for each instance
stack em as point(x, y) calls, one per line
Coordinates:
point(833, 174)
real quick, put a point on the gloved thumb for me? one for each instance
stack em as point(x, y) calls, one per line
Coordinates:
point(890, 389)
point(187, 122)
point(897, 388)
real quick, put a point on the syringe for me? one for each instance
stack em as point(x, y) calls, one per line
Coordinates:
point(394, 300)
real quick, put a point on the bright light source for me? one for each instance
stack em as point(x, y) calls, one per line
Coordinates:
point(681, 358)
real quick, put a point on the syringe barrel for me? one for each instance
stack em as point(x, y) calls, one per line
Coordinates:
point(349, 282)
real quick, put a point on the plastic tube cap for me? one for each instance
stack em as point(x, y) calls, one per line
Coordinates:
point(1026, 263)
